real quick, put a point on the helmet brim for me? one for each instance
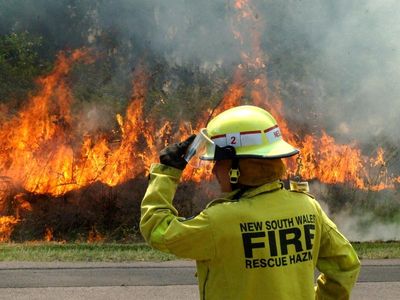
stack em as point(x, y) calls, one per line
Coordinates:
point(279, 149)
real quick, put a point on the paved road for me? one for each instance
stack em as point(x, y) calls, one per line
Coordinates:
point(379, 279)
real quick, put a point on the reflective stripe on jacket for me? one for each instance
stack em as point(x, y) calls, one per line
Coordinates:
point(265, 245)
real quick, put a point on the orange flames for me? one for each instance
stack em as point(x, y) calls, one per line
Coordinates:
point(48, 234)
point(7, 224)
point(41, 152)
point(37, 145)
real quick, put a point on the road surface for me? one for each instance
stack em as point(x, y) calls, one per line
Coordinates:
point(379, 279)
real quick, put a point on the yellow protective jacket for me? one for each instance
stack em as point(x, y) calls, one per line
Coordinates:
point(264, 245)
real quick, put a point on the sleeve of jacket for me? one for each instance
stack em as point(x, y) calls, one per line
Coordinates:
point(338, 263)
point(161, 226)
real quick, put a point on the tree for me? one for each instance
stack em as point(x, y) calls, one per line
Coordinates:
point(20, 64)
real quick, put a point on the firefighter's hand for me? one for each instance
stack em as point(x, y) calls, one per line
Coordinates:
point(173, 154)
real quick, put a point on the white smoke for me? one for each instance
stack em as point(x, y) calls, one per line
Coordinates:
point(339, 59)
point(357, 224)
point(185, 32)
point(350, 61)
point(366, 228)
point(355, 70)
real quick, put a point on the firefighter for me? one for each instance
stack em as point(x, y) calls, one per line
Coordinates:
point(258, 240)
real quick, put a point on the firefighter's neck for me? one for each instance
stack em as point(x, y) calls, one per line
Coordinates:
point(221, 172)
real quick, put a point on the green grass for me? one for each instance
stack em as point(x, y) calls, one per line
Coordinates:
point(42, 251)
point(109, 252)
point(377, 250)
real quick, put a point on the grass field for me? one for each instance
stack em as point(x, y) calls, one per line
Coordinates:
point(42, 251)
point(377, 250)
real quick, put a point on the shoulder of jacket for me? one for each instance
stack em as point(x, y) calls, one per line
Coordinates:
point(303, 192)
point(220, 201)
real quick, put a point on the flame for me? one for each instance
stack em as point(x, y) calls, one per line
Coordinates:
point(48, 234)
point(7, 224)
point(95, 236)
point(39, 150)
point(243, 7)
point(35, 150)
point(234, 93)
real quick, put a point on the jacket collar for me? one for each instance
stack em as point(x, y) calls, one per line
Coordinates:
point(265, 188)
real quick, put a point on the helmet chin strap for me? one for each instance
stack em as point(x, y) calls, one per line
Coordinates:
point(234, 172)
point(229, 152)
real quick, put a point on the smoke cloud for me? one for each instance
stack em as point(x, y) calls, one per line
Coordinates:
point(355, 68)
point(339, 58)
point(183, 31)
point(348, 53)
point(356, 223)
point(365, 227)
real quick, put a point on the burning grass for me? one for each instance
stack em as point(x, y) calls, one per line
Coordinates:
point(100, 213)
point(96, 213)
point(56, 184)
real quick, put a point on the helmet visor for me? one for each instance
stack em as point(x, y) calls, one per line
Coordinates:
point(199, 146)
